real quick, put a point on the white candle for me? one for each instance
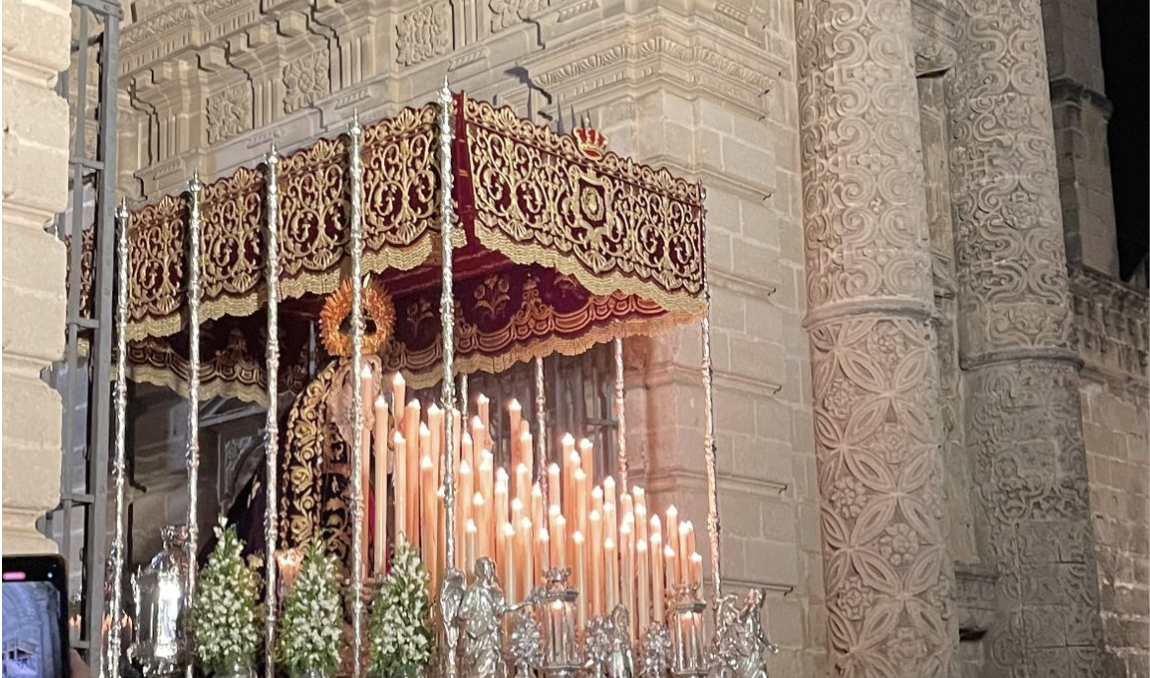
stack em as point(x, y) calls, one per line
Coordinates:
point(643, 583)
point(696, 569)
point(587, 457)
point(671, 540)
point(482, 520)
point(609, 574)
point(527, 557)
point(537, 511)
point(398, 398)
point(429, 533)
point(380, 536)
point(508, 542)
point(466, 493)
point(682, 567)
point(484, 407)
point(543, 555)
point(501, 511)
point(596, 560)
point(627, 581)
point(580, 582)
point(554, 486)
point(469, 554)
point(399, 479)
point(514, 412)
point(559, 548)
point(411, 483)
point(669, 566)
point(658, 597)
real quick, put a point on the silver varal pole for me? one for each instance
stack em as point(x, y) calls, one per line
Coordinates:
point(271, 425)
point(357, 489)
point(541, 432)
point(123, 220)
point(620, 417)
point(713, 527)
point(447, 311)
point(193, 452)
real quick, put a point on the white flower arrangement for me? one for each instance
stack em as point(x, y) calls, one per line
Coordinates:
point(224, 623)
point(311, 631)
point(400, 622)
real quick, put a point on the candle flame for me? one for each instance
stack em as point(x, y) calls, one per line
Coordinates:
point(577, 537)
point(398, 438)
point(508, 531)
point(471, 526)
point(641, 546)
point(365, 372)
point(514, 405)
point(482, 399)
point(398, 379)
point(568, 439)
point(478, 500)
point(425, 463)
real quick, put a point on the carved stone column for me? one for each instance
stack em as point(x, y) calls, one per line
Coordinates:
point(1023, 418)
point(875, 366)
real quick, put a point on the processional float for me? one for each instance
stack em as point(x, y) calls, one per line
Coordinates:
point(471, 240)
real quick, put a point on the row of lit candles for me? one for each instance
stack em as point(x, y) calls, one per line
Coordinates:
point(618, 551)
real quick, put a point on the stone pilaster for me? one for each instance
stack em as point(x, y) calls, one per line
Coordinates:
point(1023, 418)
point(35, 47)
point(873, 345)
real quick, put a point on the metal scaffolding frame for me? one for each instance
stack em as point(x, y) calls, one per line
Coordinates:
point(87, 381)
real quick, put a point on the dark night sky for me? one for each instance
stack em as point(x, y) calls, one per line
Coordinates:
point(1124, 63)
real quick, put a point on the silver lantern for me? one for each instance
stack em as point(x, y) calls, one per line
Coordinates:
point(160, 645)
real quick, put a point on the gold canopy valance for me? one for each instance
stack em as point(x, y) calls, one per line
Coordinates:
point(589, 245)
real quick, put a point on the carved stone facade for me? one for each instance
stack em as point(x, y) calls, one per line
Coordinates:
point(908, 454)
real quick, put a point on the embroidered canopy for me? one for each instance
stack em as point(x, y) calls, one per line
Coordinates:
point(562, 245)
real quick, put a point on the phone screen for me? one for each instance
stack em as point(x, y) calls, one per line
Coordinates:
point(35, 640)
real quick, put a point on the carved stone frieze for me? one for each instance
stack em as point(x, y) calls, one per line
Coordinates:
point(507, 13)
point(423, 33)
point(305, 80)
point(878, 428)
point(737, 79)
point(229, 112)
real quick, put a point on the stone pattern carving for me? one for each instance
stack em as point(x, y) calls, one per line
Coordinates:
point(506, 13)
point(1023, 423)
point(862, 176)
point(1024, 434)
point(887, 571)
point(305, 80)
point(1009, 220)
point(229, 113)
point(888, 575)
point(423, 33)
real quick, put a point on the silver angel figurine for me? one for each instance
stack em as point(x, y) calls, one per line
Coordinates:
point(726, 650)
point(754, 639)
point(450, 599)
point(622, 663)
point(480, 616)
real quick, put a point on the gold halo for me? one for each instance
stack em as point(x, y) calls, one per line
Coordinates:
point(377, 306)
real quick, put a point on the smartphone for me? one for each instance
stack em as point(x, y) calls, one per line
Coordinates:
point(35, 639)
